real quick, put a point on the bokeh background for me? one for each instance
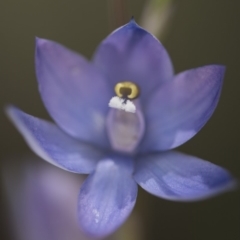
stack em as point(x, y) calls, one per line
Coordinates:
point(202, 32)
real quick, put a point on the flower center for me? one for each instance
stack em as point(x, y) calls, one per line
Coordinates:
point(125, 122)
point(125, 91)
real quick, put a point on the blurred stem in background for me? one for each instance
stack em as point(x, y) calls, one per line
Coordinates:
point(118, 13)
point(156, 16)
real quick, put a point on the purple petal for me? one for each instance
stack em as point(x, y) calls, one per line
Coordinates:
point(73, 91)
point(132, 54)
point(49, 142)
point(177, 176)
point(107, 196)
point(181, 108)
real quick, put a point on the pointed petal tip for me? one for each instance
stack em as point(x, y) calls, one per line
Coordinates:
point(217, 67)
point(133, 23)
point(211, 68)
point(132, 20)
point(41, 42)
point(217, 71)
point(221, 66)
point(9, 111)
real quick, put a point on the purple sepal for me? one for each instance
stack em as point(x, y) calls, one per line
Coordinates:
point(179, 109)
point(180, 177)
point(56, 147)
point(74, 92)
point(107, 196)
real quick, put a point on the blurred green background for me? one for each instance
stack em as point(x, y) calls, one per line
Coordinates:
point(202, 32)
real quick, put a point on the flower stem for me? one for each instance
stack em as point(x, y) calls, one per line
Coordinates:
point(117, 13)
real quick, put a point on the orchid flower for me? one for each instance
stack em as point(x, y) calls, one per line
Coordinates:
point(117, 118)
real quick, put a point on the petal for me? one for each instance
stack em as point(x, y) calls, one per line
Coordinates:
point(73, 91)
point(180, 177)
point(131, 53)
point(107, 196)
point(181, 108)
point(49, 142)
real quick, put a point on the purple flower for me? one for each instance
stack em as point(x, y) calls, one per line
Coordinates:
point(119, 148)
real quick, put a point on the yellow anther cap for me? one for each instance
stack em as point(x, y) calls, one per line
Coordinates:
point(127, 90)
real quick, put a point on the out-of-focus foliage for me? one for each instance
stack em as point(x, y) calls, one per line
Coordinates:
point(156, 17)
